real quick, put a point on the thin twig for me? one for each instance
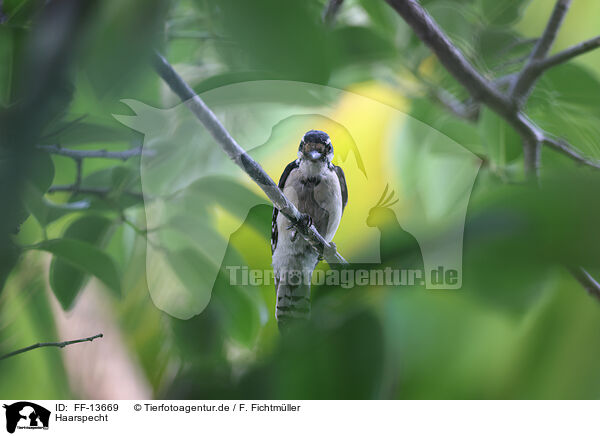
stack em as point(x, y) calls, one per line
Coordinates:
point(449, 55)
point(85, 154)
point(565, 148)
point(528, 76)
point(520, 85)
point(586, 280)
point(545, 42)
point(485, 91)
point(143, 232)
point(568, 54)
point(79, 172)
point(239, 156)
point(51, 344)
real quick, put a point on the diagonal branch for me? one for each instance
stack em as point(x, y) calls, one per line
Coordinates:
point(567, 54)
point(586, 280)
point(528, 76)
point(51, 344)
point(544, 44)
point(567, 149)
point(481, 89)
point(486, 92)
point(449, 55)
point(239, 156)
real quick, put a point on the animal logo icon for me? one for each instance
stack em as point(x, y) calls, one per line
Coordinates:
point(26, 415)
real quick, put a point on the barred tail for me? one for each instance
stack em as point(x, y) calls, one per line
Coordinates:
point(293, 303)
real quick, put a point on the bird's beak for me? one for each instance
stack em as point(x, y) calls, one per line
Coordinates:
point(314, 155)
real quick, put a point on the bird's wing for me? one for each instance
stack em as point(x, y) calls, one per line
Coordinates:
point(274, 234)
point(343, 186)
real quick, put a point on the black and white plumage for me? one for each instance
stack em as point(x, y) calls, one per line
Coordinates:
point(318, 189)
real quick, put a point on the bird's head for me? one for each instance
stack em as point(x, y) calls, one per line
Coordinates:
point(315, 147)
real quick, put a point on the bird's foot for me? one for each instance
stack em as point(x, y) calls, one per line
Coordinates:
point(305, 221)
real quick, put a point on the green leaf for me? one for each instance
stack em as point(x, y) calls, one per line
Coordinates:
point(6, 65)
point(85, 257)
point(301, 51)
point(460, 131)
point(502, 143)
point(41, 170)
point(226, 192)
point(501, 50)
point(85, 131)
point(20, 12)
point(380, 16)
point(66, 279)
point(362, 44)
point(572, 93)
point(502, 13)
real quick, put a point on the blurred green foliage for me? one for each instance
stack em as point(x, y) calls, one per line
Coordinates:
point(521, 327)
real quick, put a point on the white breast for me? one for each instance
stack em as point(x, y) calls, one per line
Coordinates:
point(328, 194)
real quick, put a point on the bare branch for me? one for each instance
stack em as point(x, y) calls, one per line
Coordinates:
point(50, 344)
point(544, 44)
point(520, 85)
point(239, 156)
point(79, 172)
point(567, 54)
point(528, 76)
point(449, 55)
point(505, 81)
point(481, 89)
point(331, 10)
point(84, 154)
point(532, 155)
point(586, 280)
point(567, 149)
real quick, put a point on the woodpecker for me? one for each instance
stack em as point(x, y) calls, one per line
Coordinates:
point(318, 189)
